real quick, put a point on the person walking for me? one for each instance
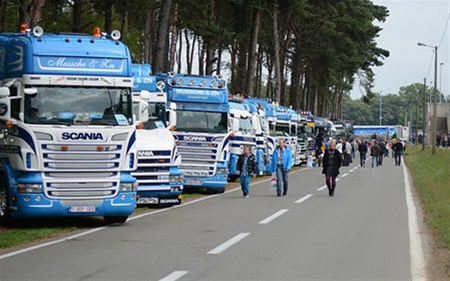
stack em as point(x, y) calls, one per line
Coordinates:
point(246, 165)
point(362, 148)
point(375, 153)
point(282, 163)
point(398, 152)
point(332, 161)
point(383, 150)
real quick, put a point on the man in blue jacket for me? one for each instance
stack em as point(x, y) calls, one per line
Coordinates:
point(282, 163)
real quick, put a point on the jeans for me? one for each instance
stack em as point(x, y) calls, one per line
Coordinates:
point(398, 159)
point(282, 179)
point(245, 184)
point(362, 159)
point(374, 161)
point(380, 160)
point(331, 184)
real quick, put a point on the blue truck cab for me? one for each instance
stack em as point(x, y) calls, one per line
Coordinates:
point(159, 177)
point(67, 138)
point(198, 117)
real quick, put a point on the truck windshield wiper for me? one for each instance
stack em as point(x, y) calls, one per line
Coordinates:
point(50, 122)
point(104, 122)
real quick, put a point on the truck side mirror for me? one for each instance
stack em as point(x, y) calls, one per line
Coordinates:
point(143, 112)
point(5, 104)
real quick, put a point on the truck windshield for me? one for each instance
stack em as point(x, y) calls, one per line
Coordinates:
point(156, 115)
point(79, 106)
point(293, 130)
point(202, 121)
point(282, 130)
point(246, 126)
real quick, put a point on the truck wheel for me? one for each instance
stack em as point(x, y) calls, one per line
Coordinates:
point(4, 198)
point(115, 219)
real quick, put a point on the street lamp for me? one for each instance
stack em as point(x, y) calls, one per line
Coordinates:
point(440, 82)
point(433, 123)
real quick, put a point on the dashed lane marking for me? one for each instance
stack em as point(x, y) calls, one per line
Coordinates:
point(174, 276)
point(304, 198)
point(274, 216)
point(223, 247)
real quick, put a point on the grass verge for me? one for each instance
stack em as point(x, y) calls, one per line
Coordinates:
point(431, 176)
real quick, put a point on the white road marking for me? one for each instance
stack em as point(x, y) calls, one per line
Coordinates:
point(304, 198)
point(322, 187)
point(174, 276)
point(338, 179)
point(274, 216)
point(418, 266)
point(221, 248)
point(90, 231)
point(344, 175)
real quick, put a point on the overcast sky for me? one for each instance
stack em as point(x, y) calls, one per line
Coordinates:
point(409, 22)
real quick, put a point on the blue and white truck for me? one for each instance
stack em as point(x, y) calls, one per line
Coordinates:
point(160, 180)
point(198, 118)
point(67, 141)
point(241, 125)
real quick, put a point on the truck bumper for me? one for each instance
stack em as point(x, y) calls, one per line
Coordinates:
point(37, 205)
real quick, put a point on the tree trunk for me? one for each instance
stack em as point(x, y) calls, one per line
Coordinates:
point(124, 22)
point(31, 12)
point(250, 80)
point(108, 16)
point(295, 77)
point(148, 50)
point(269, 78)
point(3, 7)
point(77, 13)
point(180, 50)
point(201, 58)
point(173, 38)
point(210, 58)
point(259, 69)
point(242, 68)
point(188, 50)
point(233, 55)
point(219, 60)
point(276, 62)
point(161, 40)
point(191, 59)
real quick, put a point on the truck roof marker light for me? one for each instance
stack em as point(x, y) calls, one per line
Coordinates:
point(38, 31)
point(192, 83)
point(24, 28)
point(115, 35)
point(97, 32)
point(202, 83)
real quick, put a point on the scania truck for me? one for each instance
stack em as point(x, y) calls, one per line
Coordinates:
point(67, 138)
point(198, 117)
point(160, 180)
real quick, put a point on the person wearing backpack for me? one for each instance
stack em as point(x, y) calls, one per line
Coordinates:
point(246, 165)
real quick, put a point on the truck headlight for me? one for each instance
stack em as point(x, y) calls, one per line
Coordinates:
point(29, 188)
point(128, 187)
point(222, 171)
point(176, 179)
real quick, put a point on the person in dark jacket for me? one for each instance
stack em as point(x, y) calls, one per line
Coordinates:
point(383, 150)
point(332, 161)
point(398, 152)
point(362, 148)
point(247, 167)
point(375, 153)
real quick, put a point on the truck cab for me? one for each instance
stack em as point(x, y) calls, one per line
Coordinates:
point(160, 180)
point(198, 117)
point(241, 125)
point(67, 129)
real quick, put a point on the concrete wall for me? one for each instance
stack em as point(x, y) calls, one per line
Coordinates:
point(442, 118)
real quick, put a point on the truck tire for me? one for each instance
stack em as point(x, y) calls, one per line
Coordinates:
point(232, 178)
point(115, 219)
point(215, 190)
point(4, 198)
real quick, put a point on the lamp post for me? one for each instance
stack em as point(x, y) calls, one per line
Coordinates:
point(381, 110)
point(433, 122)
point(440, 82)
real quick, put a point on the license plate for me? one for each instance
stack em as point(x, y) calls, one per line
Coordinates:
point(174, 201)
point(82, 209)
point(193, 182)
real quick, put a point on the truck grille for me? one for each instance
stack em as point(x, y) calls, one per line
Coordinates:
point(198, 158)
point(153, 167)
point(75, 171)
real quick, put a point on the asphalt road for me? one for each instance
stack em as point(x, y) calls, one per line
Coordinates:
point(361, 233)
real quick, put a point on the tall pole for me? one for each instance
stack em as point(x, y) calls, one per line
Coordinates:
point(381, 109)
point(440, 82)
point(433, 125)
point(424, 125)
